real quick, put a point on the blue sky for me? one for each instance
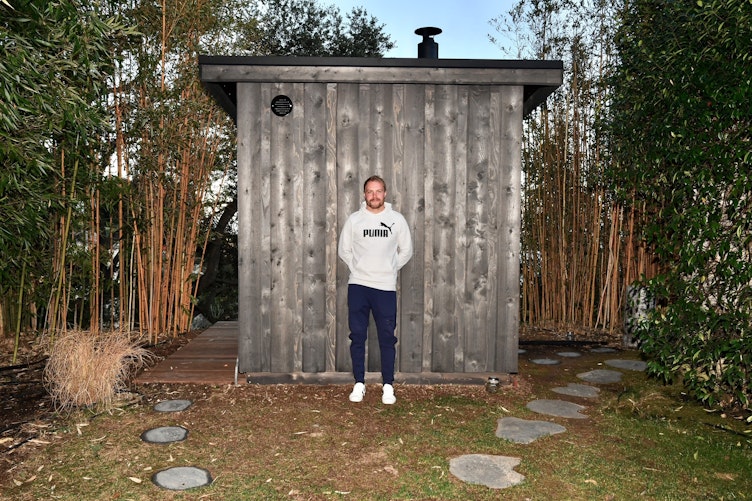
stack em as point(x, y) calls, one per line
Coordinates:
point(464, 24)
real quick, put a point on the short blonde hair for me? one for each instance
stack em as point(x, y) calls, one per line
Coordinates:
point(374, 178)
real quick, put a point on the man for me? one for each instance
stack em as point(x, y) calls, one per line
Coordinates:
point(375, 244)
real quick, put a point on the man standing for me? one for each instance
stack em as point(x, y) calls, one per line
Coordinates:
point(375, 244)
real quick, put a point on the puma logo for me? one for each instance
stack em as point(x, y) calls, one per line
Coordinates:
point(378, 232)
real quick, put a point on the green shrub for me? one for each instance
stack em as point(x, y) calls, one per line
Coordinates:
point(709, 351)
point(682, 141)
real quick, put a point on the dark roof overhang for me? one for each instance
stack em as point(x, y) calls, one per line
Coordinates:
point(221, 74)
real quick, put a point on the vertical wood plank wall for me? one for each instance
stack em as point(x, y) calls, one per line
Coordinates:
point(450, 157)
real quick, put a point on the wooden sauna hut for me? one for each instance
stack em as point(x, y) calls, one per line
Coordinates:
point(445, 135)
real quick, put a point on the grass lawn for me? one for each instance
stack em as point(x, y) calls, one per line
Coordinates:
point(641, 440)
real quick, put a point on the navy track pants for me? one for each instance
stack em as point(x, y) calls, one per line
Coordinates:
point(362, 301)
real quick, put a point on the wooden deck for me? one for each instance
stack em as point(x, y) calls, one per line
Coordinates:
point(210, 358)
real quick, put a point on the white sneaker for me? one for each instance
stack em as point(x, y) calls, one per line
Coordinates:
point(387, 396)
point(358, 392)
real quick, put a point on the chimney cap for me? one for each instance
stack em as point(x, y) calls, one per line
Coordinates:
point(427, 31)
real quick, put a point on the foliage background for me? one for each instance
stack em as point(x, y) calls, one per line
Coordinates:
point(117, 172)
point(682, 127)
point(149, 212)
point(53, 77)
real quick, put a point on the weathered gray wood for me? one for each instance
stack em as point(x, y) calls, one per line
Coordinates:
point(348, 201)
point(459, 222)
point(428, 261)
point(451, 157)
point(392, 162)
point(475, 311)
point(409, 119)
point(496, 167)
point(444, 128)
point(382, 75)
point(261, 222)
point(284, 242)
point(314, 216)
point(248, 356)
point(333, 264)
point(450, 135)
point(509, 230)
point(253, 236)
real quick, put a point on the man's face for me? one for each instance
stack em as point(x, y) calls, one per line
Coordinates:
point(375, 195)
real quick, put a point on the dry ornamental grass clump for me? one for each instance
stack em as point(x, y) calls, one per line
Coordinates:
point(86, 369)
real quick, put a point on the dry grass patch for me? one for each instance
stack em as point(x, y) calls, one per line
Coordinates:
point(308, 442)
point(88, 370)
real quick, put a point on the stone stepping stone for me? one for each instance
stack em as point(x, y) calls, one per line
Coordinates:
point(603, 376)
point(520, 351)
point(559, 408)
point(165, 435)
point(569, 354)
point(578, 390)
point(496, 472)
point(603, 349)
point(181, 478)
point(630, 365)
point(172, 405)
point(545, 361)
point(523, 431)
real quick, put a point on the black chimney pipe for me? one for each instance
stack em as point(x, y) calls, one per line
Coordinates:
point(428, 48)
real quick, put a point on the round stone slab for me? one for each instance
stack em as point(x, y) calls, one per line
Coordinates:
point(181, 478)
point(172, 405)
point(578, 390)
point(630, 365)
point(165, 435)
point(603, 349)
point(523, 431)
point(559, 408)
point(545, 361)
point(569, 354)
point(603, 376)
point(495, 472)
point(521, 351)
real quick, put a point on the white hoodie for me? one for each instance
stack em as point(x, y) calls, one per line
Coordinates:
point(375, 247)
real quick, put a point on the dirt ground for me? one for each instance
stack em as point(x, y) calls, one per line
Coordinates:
point(28, 414)
point(27, 411)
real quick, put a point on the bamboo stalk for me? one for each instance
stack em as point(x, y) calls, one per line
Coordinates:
point(20, 310)
point(94, 226)
point(59, 290)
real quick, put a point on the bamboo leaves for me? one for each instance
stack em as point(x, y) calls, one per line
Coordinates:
point(681, 133)
point(53, 55)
